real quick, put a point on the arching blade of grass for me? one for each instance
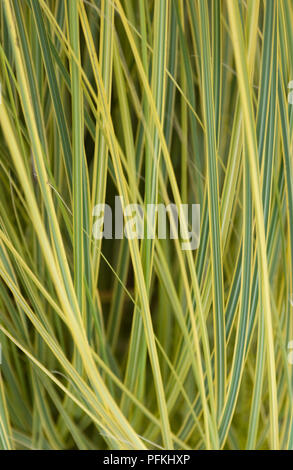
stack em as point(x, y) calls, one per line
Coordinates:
point(5, 429)
point(255, 183)
point(213, 197)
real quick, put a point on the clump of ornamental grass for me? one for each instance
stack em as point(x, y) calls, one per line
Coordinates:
point(136, 343)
